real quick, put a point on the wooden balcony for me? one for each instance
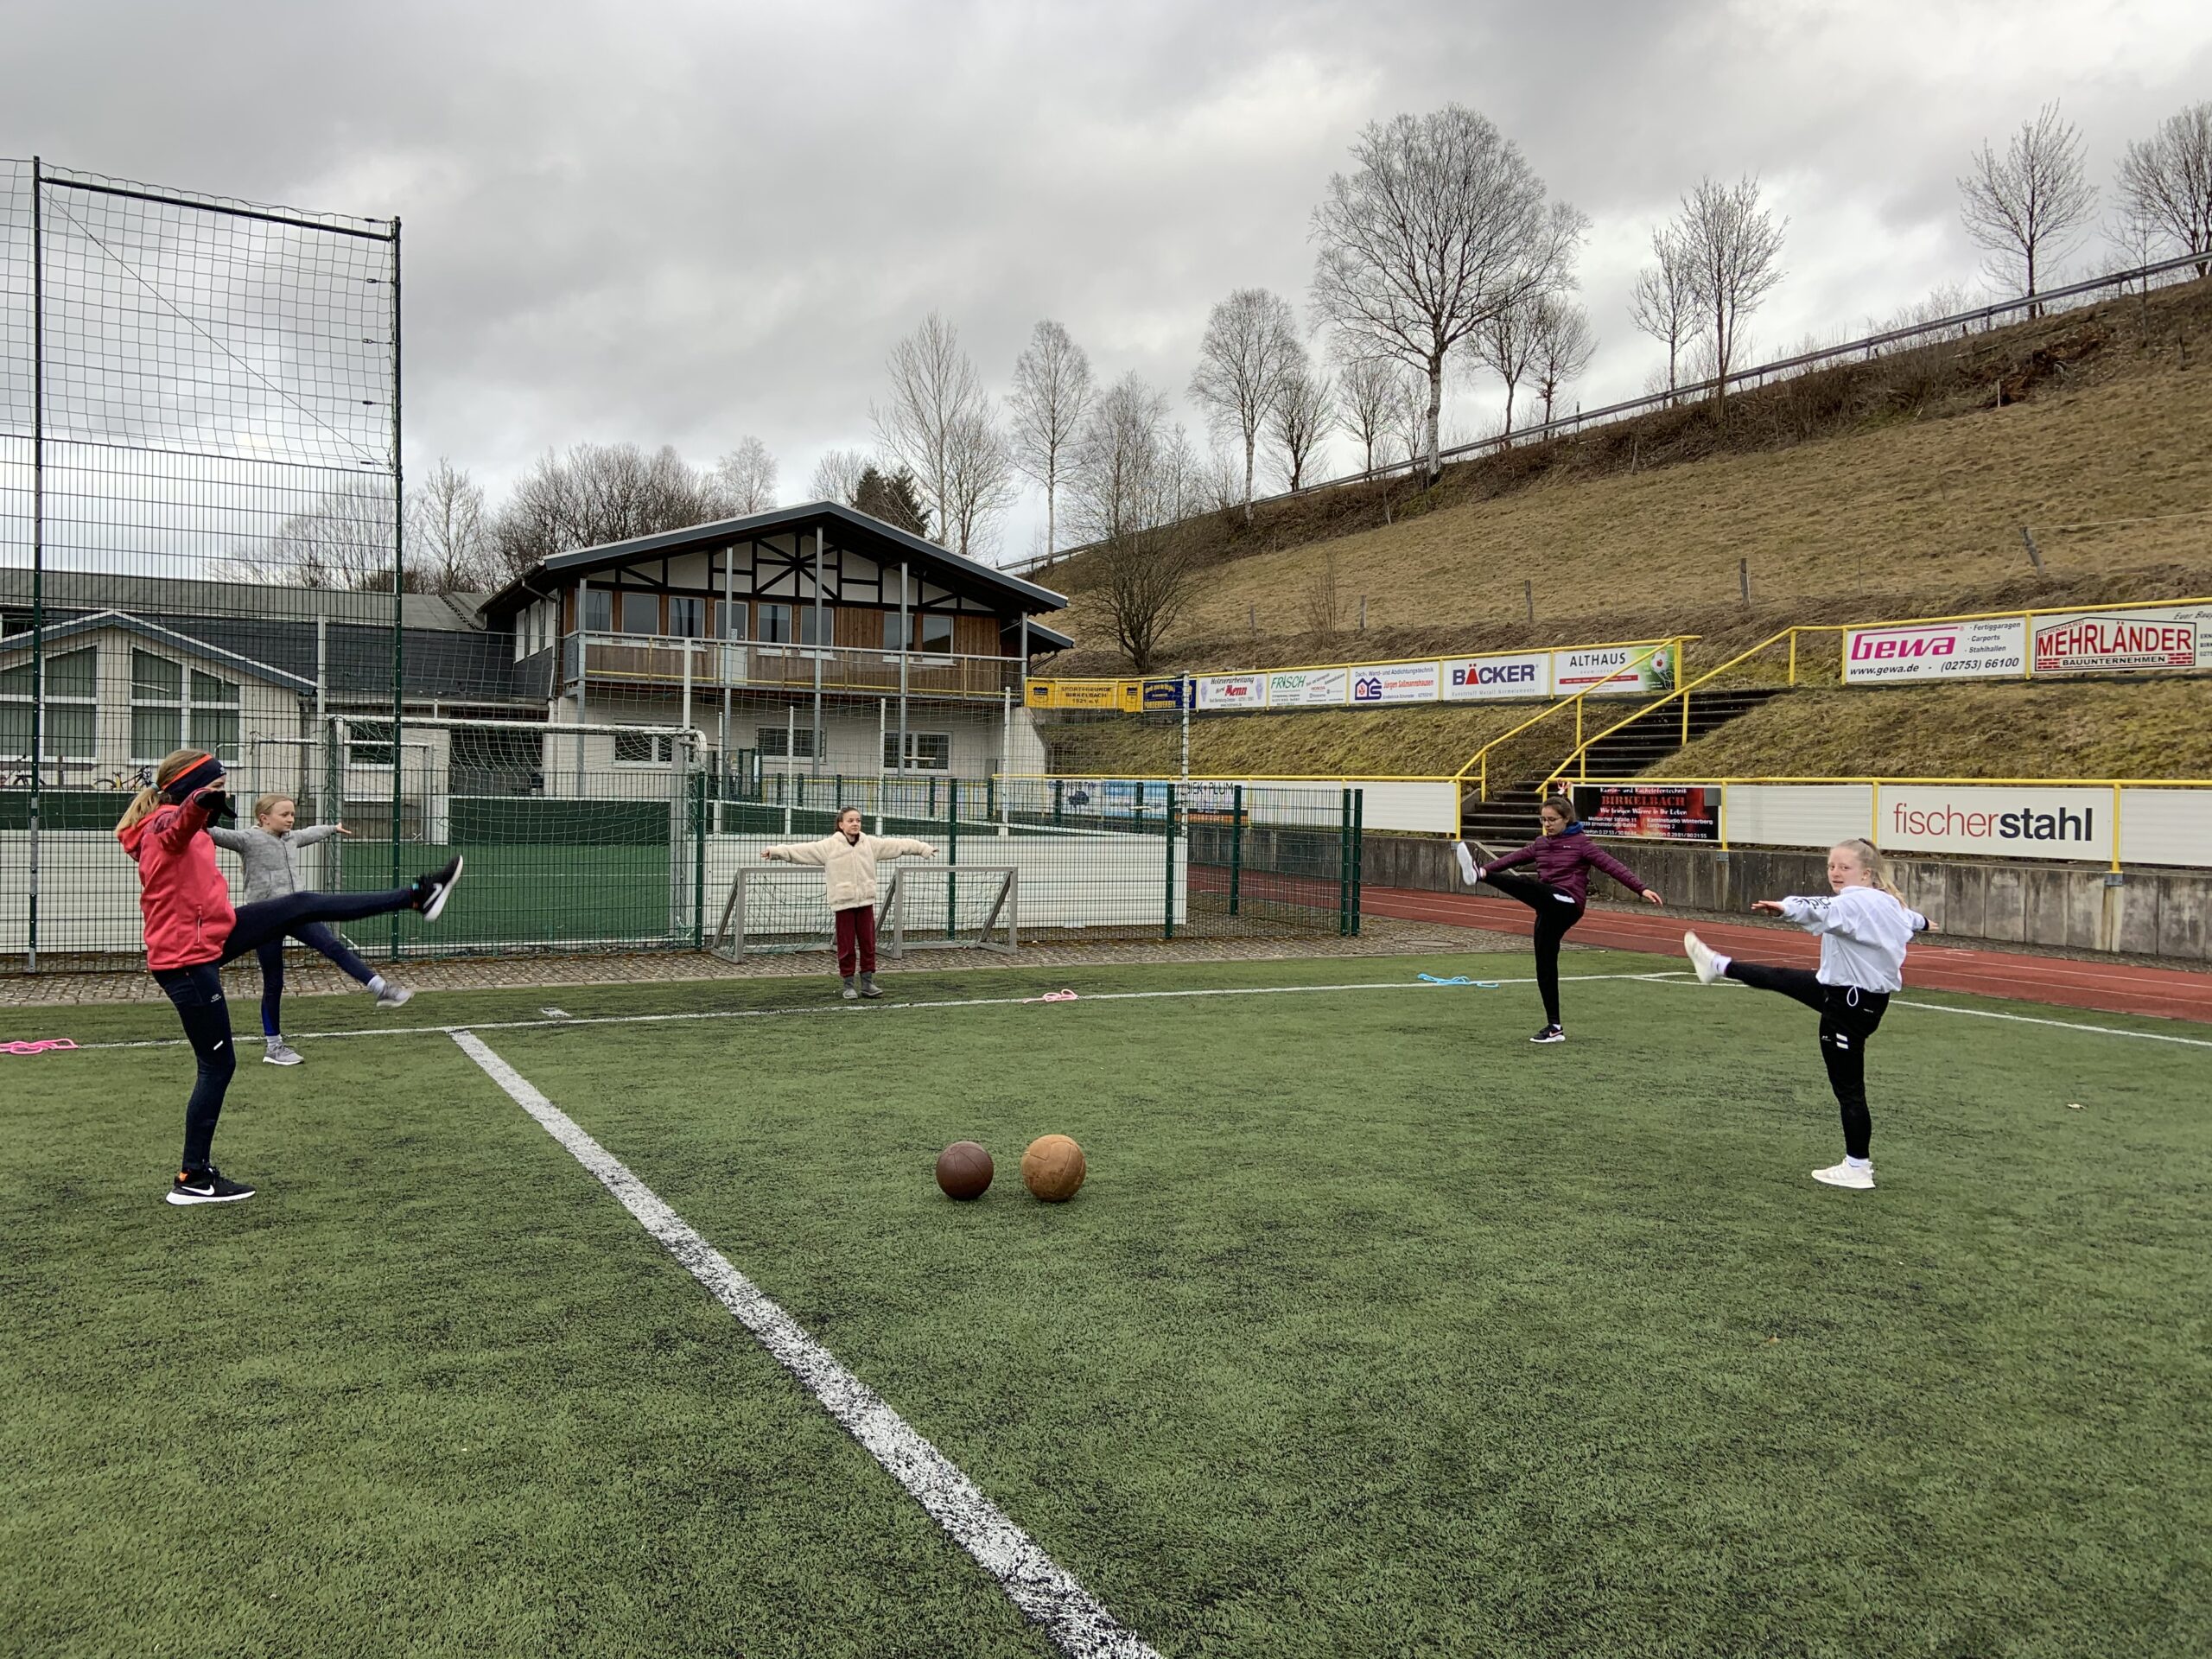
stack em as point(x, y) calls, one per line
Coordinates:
point(636, 659)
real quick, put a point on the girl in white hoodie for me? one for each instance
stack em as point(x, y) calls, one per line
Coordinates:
point(1865, 926)
point(848, 856)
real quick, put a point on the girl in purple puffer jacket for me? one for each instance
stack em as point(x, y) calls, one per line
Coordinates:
point(1559, 892)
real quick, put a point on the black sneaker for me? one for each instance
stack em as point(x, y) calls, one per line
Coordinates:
point(432, 891)
point(207, 1186)
point(1549, 1034)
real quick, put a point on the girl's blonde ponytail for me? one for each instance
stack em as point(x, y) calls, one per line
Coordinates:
point(174, 765)
point(1870, 860)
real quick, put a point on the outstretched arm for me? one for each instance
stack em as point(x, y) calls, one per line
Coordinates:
point(903, 847)
point(233, 839)
point(1621, 873)
point(801, 852)
point(315, 832)
point(176, 832)
point(1519, 855)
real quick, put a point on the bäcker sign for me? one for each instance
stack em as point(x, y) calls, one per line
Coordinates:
point(2170, 636)
point(1995, 822)
point(1993, 648)
point(1468, 679)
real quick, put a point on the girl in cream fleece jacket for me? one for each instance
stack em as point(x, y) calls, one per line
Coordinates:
point(847, 857)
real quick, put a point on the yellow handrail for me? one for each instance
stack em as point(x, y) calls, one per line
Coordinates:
point(1479, 762)
point(1581, 749)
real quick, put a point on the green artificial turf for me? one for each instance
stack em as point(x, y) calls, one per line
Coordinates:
point(1375, 1330)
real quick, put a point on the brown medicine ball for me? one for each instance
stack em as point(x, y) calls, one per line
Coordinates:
point(1052, 1168)
point(963, 1170)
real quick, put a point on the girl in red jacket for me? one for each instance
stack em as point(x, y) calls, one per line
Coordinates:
point(1559, 892)
point(191, 930)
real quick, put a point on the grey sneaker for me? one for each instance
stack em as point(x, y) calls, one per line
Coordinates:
point(869, 987)
point(851, 992)
point(281, 1053)
point(393, 996)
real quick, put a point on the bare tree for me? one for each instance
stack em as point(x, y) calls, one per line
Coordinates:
point(1409, 423)
point(1300, 424)
point(1564, 345)
point(1323, 602)
point(448, 537)
point(343, 539)
point(1505, 344)
point(837, 476)
point(597, 493)
point(1365, 387)
point(2028, 208)
point(746, 478)
point(1051, 392)
point(2166, 185)
point(1442, 227)
point(1734, 249)
point(937, 424)
point(1249, 348)
point(1664, 301)
point(1132, 477)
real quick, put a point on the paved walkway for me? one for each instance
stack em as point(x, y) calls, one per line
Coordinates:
point(2116, 986)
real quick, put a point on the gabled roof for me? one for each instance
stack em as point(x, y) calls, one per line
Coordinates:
point(854, 529)
point(154, 633)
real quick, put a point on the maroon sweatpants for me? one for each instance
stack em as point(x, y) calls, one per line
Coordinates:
point(856, 940)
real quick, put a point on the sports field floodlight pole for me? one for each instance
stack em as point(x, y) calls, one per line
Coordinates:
point(819, 612)
point(38, 556)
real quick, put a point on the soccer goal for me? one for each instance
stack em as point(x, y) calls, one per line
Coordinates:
point(777, 907)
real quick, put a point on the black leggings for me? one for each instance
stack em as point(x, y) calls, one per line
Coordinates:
point(1556, 913)
point(1848, 1017)
point(270, 954)
point(197, 992)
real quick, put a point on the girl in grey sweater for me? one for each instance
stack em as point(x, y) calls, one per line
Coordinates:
point(268, 851)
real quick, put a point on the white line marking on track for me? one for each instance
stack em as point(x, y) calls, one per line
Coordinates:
point(1033, 1581)
point(1977, 1014)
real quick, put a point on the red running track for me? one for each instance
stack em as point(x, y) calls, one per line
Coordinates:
point(2112, 986)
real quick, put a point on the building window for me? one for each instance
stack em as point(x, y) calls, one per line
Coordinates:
point(815, 625)
point(687, 618)
point(933, 633)
point(893, 637)
point(68, 733)
point(641, 613)
point(172, 708)
point(599, 611)
point(926, 752)
point(733, 616)
point(643, 749)
point(774, 622)
point(770, 741)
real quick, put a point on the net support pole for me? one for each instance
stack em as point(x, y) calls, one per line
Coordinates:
point(905, 648)
point(819, 614)
point(583, 662)
point(882, 741)
point(1343, 861)
point(398, 591)
point(1236, 845)
point(951, 857)
point(1167, 840)
point(1358, 840)
point(722, 659)
point(38, 556)
point(1006, 750)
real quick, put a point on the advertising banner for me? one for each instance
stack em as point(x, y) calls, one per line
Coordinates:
point(2173, 637)
point(1583, 670)
point(1233, 691)
point(1526, 674)
point(1309, 688)
point(1165, 695)
point(1087, 694)
point(1996, 648)
point(1394, 683)
point(1658, 811)
point(1993, 821)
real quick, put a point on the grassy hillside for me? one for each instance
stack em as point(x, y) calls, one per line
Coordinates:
point(1895, 509)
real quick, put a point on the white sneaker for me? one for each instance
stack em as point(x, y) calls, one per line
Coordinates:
point(394, 996)
point(1859, 1178)
point(1703, 957)
point(281, 1053)
point(1468, 871)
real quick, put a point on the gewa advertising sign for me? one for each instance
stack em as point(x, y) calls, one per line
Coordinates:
point(1469, 679)
point(2173, 638)
point(1655, 811)
point(1993, 648)
point(1309, 688)
point(1605, 670)
point(1995, 821)
point(1233, 691)
point(1383, 683)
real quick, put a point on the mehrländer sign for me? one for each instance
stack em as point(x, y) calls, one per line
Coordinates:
point(1993, 648)
point(2175, 637)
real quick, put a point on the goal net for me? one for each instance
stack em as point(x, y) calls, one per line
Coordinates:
point(920, 906)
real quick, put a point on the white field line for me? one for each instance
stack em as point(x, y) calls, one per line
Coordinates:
point(1033, 1581)
point(837, 1010)
point(1679, 979)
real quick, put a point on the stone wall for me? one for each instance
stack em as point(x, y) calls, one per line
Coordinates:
point(2150, 913)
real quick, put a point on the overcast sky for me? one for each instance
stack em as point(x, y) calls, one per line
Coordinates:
point(681, 223)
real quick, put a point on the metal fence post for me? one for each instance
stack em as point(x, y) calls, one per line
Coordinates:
point(1358, 819)
point(1058, 814)
point(1235, 844)
point(698, 858)
point(1167, 840)
point(951, 858)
